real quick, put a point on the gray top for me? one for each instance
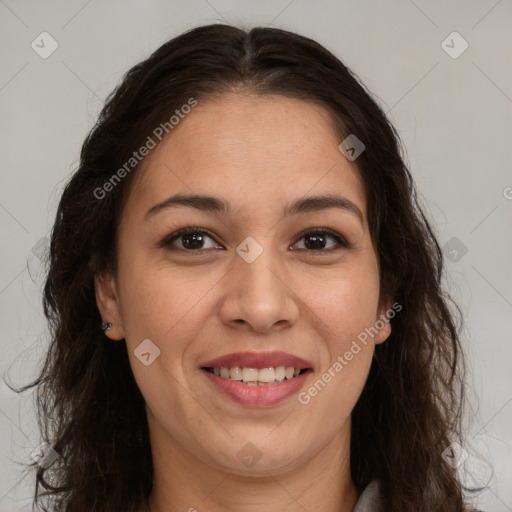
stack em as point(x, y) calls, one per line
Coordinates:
point(369, 501)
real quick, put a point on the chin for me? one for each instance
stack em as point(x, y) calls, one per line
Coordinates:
point(257, 459)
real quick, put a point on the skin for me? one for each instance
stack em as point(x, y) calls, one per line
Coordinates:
point(243, 149)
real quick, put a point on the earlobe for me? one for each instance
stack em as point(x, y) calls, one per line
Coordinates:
point(383, 324)
point(383, 333)
point(107, 301)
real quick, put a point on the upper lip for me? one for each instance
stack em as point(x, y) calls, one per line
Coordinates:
point(258, 360)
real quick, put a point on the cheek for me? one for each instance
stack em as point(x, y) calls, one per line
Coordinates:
point(160, 307)
point(347, 301)
point(344, 316)
point(168, 305)
point(345, 310)
point(153, 294)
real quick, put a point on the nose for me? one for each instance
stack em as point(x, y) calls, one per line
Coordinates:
point(259, 296)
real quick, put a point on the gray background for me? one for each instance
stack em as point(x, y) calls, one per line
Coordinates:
point(453, 114)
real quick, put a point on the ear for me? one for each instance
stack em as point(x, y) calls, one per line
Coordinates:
point(108, 304)
point(382, 323)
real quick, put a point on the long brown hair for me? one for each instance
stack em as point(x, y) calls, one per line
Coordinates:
point(411, 407)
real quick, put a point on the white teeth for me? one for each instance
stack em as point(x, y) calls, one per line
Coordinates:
point(280, 373)
point(266, 375)
point(235, 373)
point(257, 377)
point(249, 374)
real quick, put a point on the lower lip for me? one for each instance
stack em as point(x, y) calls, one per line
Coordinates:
point(258, 396)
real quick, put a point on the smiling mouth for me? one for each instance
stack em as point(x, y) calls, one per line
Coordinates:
point(257, 376)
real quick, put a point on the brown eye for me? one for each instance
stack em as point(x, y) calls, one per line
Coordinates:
point(194, 239)
point(317, 240)
point(188, 239)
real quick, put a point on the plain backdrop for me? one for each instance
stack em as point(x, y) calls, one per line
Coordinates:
point(451, 105)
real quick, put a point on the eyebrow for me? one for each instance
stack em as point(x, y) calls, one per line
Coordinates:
point(216, 205)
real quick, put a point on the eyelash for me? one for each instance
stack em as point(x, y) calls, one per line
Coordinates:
point(169, 239)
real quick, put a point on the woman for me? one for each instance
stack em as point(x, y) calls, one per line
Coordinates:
point(245, 297)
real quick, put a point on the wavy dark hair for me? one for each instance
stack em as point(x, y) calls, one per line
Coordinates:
point(411, 407)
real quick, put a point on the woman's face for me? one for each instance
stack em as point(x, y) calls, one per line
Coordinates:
point(259, 281)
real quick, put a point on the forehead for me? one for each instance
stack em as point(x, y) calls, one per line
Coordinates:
point(252, 150)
